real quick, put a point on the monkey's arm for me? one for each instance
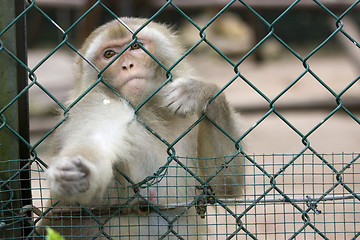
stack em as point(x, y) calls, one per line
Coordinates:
point(89, 143)
point(185, 96)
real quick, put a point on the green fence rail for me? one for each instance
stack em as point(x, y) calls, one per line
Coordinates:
point(303, 195)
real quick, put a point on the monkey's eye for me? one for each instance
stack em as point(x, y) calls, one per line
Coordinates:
point(135, 46)
point(109, 53)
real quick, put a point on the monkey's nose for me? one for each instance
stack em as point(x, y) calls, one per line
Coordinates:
point(127, 66)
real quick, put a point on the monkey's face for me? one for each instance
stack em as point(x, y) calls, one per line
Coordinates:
point(133, 72)
point(123, 63)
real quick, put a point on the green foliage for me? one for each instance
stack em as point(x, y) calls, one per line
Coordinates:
point(53, 235)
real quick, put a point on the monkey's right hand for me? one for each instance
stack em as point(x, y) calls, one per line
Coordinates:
point(68, 177)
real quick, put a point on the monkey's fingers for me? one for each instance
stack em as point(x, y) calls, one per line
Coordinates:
point(73, 165)
point(68, 183)
point(70, 175)
point(73, 188)
point(180, 98)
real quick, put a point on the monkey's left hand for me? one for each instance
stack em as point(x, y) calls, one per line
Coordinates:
point(184, 96)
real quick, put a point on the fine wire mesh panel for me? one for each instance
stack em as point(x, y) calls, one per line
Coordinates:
point(308, 194)
point(307, 200)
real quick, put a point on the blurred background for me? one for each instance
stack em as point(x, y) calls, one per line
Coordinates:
point(267, 72)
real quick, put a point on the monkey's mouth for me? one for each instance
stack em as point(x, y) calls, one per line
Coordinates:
point(133, 78)
point(136, 78)
point(132, 81)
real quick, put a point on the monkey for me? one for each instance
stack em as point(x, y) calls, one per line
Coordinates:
point(139, 127)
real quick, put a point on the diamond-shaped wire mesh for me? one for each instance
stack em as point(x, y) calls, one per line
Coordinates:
point(301, 192)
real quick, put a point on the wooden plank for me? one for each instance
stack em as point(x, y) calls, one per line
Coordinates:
point(61, 3)
point(254, 3)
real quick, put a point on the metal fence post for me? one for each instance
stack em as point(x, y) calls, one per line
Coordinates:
point(14, 153)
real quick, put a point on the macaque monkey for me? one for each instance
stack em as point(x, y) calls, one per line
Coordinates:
point(115, 151)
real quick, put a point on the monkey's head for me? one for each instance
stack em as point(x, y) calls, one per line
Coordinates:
point(123, 63)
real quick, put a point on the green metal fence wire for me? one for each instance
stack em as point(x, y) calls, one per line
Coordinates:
point(304, 195)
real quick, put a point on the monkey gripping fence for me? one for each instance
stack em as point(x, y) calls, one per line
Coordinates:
point(305, 195)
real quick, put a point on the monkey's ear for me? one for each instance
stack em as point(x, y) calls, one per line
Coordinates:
point(184, 96)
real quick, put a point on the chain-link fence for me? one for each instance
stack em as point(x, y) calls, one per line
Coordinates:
point(305, 194)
